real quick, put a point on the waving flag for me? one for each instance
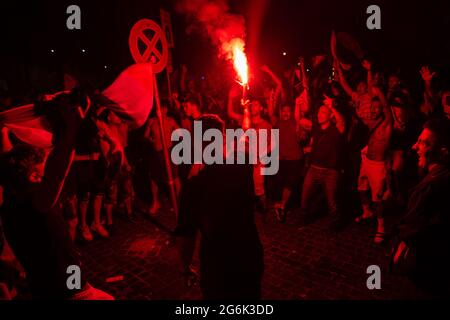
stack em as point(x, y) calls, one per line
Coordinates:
point(131, 92)
point(27, 126)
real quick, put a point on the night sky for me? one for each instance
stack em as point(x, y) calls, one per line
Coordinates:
point(412, 33)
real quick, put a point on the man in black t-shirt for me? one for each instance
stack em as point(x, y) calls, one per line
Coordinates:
point(326, 157)
point(218, 202)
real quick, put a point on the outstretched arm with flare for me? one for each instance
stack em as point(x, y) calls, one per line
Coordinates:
point(343, 82)
point(231, 113)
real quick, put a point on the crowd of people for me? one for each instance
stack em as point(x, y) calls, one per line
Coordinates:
point(368, 144)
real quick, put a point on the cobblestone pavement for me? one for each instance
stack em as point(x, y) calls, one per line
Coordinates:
point(300, 262)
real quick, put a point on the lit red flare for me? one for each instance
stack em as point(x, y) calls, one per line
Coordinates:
point(240, 61)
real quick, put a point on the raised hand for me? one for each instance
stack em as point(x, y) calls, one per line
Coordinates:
point(366, 65)
point(328, 102)
point(426, 73)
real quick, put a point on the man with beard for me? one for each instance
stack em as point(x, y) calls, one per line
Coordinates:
point(423, 250)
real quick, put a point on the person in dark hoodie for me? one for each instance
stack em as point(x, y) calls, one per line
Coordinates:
point(218, 203)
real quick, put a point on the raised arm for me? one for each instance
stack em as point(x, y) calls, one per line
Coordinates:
point(340, 121)
point(343, 82)
point(427, 76)
point(366, 65)
point(428, 95)
point(304, 75)
point(231, 113)
point(386, 110)
point(302, 100)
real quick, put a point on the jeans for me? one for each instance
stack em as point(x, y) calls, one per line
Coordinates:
point(325, 178)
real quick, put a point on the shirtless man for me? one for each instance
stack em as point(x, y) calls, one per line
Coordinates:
point(373, 173)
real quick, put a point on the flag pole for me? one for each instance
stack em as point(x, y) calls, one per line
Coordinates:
point(169, 70)
point(173, 194)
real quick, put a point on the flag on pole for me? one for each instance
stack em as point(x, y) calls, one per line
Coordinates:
point(133, 94)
